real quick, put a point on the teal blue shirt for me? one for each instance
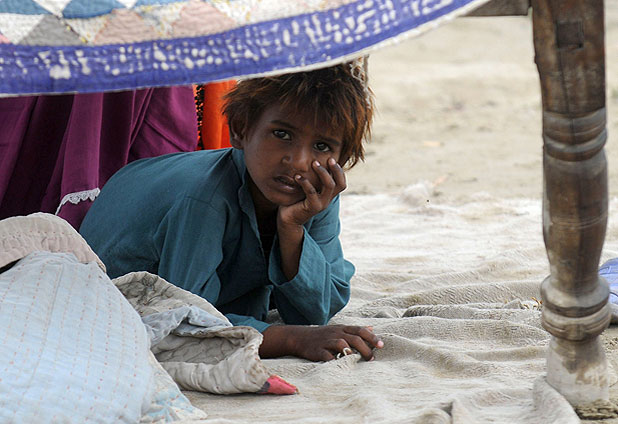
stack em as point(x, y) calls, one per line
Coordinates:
point(189, 218)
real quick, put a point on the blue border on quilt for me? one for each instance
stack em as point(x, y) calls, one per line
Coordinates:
point(293, 42)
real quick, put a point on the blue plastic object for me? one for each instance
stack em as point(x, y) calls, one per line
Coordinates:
point(609, 271)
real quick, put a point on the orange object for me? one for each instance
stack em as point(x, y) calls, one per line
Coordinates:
point(212, 124)
point(276, 385)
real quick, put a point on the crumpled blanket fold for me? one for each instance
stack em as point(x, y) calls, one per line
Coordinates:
point(22, 235)
point(182, 321)
point(211, 357)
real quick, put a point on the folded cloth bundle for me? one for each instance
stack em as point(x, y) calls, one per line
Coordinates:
point(195, 343)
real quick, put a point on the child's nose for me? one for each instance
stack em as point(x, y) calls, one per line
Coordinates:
point(301, 159)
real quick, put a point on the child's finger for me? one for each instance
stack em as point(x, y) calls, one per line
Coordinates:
point(366, 335)
point(324, 356)
point(361, 346)
point(311, 194)
point(328, 183)
point(337, 173)
point(337, 346)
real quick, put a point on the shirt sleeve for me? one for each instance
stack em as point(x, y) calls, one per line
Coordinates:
point(247, 321)
point(321, 288)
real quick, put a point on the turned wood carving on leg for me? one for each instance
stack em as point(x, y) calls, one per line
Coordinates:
point(570, 56)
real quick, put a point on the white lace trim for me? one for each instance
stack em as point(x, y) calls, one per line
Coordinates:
point(79, 196)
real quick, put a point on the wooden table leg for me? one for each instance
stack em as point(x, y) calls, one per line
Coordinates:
point(569, 46)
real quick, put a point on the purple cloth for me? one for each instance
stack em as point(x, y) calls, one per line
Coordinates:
point(52, 146)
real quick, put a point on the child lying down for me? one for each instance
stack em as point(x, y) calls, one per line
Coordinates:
point(255, 227)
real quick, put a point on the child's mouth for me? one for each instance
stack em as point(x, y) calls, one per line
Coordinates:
point(288, 183)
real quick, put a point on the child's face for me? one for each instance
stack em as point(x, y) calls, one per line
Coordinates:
point(282, 144)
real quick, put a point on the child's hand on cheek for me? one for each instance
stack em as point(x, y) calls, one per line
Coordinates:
point(290, 219)
point(332, 182)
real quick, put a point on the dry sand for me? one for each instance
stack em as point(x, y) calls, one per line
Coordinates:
point(460, 106)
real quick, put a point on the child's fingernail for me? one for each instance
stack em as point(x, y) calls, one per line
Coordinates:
point(380, 343)
point(332, 161)
point(372, 358)
point(316, 163)
point(298, 177)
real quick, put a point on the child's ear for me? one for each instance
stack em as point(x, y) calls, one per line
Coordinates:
point(236, 141)
point(236, 138)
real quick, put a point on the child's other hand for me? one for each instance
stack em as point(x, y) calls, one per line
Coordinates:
point(318, 343)
point(332, 182)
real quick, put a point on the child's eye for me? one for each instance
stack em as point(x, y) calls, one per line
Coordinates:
point(322, 147)
point(284, 135)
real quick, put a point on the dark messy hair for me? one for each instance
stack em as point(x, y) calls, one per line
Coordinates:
point(336, 96)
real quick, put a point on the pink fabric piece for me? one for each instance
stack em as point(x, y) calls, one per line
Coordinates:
point(52, 146)
point(125, 26)
point(203, 16)
point(275, 385)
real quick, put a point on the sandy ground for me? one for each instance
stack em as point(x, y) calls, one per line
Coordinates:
point(460, 106)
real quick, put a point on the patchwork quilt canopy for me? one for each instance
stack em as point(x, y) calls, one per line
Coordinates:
point(64, 46)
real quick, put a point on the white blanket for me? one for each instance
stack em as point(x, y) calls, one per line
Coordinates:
point(452, 290)
point(74, 350)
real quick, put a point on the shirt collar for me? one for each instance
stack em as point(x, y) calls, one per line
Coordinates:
point(244, 196)
point(238, 156)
